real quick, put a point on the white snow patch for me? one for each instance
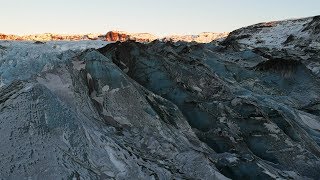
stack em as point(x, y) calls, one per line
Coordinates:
point(105, 88)
point(99, 99)
point(266, 171)
point(288, 142)
point(122, 120)
point(236, 101)
point(232, 159)
point(64, 139)
point(47, 67)
point(114, 90)
point(2, 84)
point(28, 87)
point(273, 37)
point(310, 122)
point(272, 127)
point(46, 118)
point(196, 88)
point(78, 65)
point(114, 160)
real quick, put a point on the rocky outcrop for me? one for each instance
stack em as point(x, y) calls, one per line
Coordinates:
point(297, 39)
point(302, 32)
point(122, 36)
point(313, 26)
point(113, 36)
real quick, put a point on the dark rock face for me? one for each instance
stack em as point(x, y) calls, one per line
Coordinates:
point(289, 39)
point(254, 112)
point(313, 26)
point(77, 115)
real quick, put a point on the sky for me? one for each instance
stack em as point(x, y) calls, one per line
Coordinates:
point(160, 17)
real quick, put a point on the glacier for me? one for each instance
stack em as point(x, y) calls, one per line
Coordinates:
point(232, 109)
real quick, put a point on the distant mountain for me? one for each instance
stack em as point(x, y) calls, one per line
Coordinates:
point(53, 37)
point(113, 36)
point(205, 37)
point(9, 37)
